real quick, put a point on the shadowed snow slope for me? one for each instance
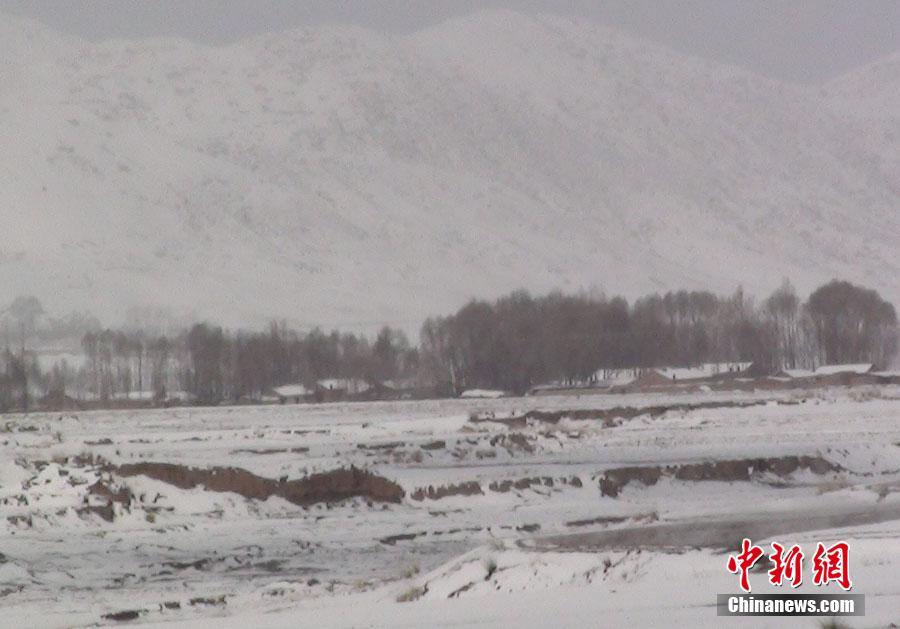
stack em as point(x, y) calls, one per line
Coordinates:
point(288, 174)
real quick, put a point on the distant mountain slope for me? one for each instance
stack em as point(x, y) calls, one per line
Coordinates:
point(339, 176)
point(868, 98)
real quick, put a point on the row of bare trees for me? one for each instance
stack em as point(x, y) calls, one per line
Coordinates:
point(205, 361)
point(512, 343)
point(215, 365)
point(519, 340)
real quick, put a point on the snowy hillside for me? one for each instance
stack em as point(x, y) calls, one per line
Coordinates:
point(869, 99)
point(340, 176)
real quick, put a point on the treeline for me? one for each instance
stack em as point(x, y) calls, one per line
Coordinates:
point(519, 340)
point(20, 376)
point(214, 365)
point(204, 364)
point(512, 344)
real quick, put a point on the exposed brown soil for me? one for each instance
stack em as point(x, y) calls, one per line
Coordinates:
point(297, 450)
point(120, 494)
point(402, 537)
point(99, 442)
point(504, 486)
point(612, 481)
point(469, 529)
point(434, 445)
point(328, 487)
point(393, 445)
point(535, 481)
point(597, 520)
point(123, 616)
point(473, 488)
point(469, 488)
point(208, 600)
point(107, 511)
point(609, 415)
point(512, 442)
point(200, 564)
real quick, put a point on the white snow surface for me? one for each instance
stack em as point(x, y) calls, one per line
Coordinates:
point(482, 393)
point(830, 370)
point(289, 390)
point(529, 547)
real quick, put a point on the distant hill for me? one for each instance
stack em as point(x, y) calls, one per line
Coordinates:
point(340, 176)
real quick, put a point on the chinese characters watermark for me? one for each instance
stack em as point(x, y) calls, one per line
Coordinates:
point(829, 564)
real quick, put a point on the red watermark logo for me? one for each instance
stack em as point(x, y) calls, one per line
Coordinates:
point(829, 564)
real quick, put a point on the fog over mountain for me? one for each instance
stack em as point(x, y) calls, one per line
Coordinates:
point(346, 177)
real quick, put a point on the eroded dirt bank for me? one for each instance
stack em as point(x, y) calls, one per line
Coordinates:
point(328, 487)
point(609, 416)
point(612, 481)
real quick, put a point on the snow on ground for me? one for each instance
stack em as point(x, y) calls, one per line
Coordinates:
point(537, 511)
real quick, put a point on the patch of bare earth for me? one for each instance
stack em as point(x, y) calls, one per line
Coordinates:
point(474, 488)
point(327, 487)
point(470, 488)
point(504, 486)
point(609, 416)
point(111, 495)
point(614, 480)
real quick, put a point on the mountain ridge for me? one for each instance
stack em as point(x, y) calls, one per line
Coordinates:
point(343, 177)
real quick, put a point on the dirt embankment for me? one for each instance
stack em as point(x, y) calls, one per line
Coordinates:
point(111, 494)
point(608, 415)
point(473, 488)
point(535, 481)
point(612, 481)
point(327, 487)
point(469, 488)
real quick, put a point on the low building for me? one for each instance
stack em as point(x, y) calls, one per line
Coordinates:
point(398, 389)
point(293, 394)
point(706, 370)
point(134, 396)
point(339, 389)
point(608, 378)
point(179, 398)
point(857, 369)
point(487, 394)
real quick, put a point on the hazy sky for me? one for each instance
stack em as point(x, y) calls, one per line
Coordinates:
point(797, 40)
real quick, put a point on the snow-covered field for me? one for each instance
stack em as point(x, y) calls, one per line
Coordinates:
point(596, 510)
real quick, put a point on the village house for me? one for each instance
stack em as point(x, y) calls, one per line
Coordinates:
point(339, 389)
point(633, 378)
point(704, 371)
point(845, 374)
point(293, 394)
point(398, 389)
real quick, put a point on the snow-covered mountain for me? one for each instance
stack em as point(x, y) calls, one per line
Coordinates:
point(868, 98)
point(341, 176)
